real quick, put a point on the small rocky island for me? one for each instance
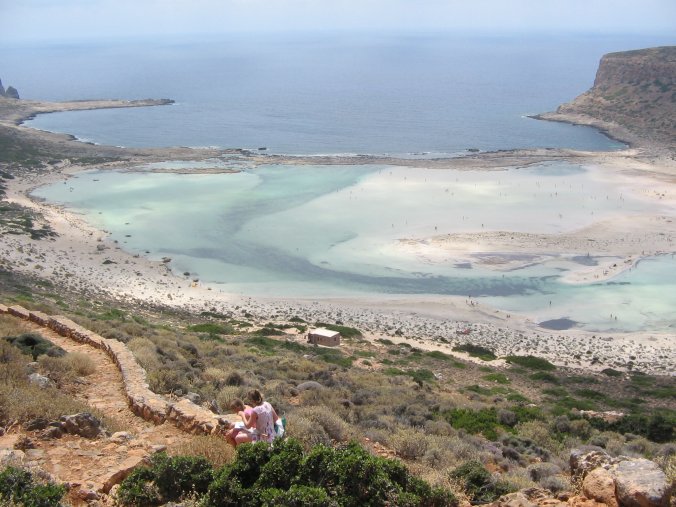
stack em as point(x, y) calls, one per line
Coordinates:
point(10, 92)
point(633, 97)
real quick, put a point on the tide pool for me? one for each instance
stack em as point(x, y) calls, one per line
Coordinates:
point(318, 231)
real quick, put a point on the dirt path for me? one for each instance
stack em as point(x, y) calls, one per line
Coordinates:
point(92, 467)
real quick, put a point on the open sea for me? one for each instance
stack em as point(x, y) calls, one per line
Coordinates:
point(315, 231)
point(322, 93)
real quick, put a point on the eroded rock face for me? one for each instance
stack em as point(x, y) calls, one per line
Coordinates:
point(641, 483)
point(599, 485)
point(2, 89)
point(634, 89)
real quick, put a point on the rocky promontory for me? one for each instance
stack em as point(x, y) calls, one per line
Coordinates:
point(633, 98)
point(10, 92)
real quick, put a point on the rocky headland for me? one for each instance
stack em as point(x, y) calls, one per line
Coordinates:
point(633, 99)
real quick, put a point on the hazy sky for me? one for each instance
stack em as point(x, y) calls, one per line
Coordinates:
point(67, 19)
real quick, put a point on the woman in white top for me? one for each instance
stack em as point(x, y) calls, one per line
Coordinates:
point(262, 419)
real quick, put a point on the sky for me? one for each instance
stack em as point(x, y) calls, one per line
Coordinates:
point(22, 20)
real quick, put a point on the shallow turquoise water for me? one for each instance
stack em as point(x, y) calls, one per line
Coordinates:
point(335, 230)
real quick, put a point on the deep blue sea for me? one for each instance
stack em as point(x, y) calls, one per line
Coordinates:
point(322, 93)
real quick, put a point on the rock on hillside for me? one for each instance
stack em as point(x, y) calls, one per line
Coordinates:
point(634, 93)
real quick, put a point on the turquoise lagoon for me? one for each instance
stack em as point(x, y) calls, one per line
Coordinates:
point(323, 231)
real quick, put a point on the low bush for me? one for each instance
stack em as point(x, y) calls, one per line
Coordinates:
point(212, 328)
point(658, 427)
point(35, 345)
point(476, 351)
point(545, 377)
point(484, 421)
point(531, 362)
point(18, 487)
point(166, 479)
point(479, 484)
point(81, 363)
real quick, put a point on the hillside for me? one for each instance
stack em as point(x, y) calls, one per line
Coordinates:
point(633, 98)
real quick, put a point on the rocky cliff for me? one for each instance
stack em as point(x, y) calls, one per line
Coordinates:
point(633, 97)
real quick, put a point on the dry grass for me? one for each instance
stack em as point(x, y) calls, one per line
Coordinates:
point(80, 363)
point(212, 447)
point(11, 326)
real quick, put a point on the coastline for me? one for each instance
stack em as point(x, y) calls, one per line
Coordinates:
point(425, 321)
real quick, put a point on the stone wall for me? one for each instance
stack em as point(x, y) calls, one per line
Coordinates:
point(185, 414)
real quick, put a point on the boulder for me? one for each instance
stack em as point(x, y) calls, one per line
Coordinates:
point(586, 458)
point(83, 424)
point(39, 380)
point(121, 437)
point(51, 433)
point(517, 499)
point(640, 483)
point(11, 457)
point(39, 423)
point(194, 397)
point(599, 485)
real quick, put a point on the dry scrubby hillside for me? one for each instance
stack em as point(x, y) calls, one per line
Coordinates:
point(635, 90)
point(516, 424)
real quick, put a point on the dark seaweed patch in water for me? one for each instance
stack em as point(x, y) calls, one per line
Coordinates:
point(586, 260)
point(558, 324)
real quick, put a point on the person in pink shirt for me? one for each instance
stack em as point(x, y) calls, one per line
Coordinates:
point(263, 418)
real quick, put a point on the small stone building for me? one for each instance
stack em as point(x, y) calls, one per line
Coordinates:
point(322, 336)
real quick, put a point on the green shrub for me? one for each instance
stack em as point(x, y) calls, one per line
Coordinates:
point(437, 354)
point(545, 377)
point(35, 345)
point(590, 394)
point(484, 421)
point(348, 476)
point(658, 427)
point(211, 328)
point(531, 362)
point(476, 351)
point(17, 487)
point(296, 496)
point(611, 373)
point(479, 484)
point(166, 479)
